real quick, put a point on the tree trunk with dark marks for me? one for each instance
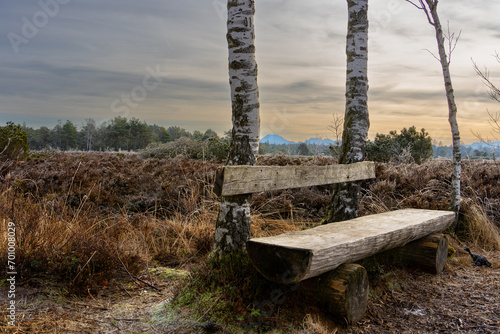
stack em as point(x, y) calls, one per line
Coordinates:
point(452, 114)
point(345, 200)
point(233, 223)
point(430, 9)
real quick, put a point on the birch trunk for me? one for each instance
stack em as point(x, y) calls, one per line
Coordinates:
point(452, 108)
point(345, 200)
point(233, 223)
point(430, 9)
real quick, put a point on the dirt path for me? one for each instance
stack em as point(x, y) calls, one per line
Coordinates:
point(121, 308)
point(463, 299)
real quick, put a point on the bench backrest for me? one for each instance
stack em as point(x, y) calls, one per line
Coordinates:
point(237, 180)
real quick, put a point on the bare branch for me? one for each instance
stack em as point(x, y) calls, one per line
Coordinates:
point(336, 126)
point(432, 54)
point(494, 91)
point(452, 42)
point(494, 121)
point(424, 8)
point(337, 129)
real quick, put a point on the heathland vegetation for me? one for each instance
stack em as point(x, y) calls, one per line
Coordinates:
point(86, 219)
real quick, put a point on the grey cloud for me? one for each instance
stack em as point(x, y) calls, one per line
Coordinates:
point(94, 51)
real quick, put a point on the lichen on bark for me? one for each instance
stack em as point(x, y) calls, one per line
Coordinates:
point(232, 229)
point(345, 200)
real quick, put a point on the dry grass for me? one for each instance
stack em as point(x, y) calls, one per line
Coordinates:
point(315, 324)
point(82, 217)
point(480, 231)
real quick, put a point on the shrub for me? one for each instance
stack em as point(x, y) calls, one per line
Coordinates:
point(212, 148)
point(13, 142)
point(184, 146)
point(406, 147)
point(303, 149)
point(217, 149)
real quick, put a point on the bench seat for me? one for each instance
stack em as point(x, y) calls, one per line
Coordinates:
point(292, 257)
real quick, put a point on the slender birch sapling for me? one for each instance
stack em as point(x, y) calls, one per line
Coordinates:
point(430, 9)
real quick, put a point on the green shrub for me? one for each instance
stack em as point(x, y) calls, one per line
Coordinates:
point(13, 142)
point(216, 149)
point(408, 146)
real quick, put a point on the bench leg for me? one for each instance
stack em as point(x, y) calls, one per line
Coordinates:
point(344, 292)
point(429, 253)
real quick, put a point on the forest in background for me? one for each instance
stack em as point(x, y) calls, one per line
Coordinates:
point(133, 135)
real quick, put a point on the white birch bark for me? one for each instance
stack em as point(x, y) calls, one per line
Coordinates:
point(345, 201)
point(233, 223)
point(430, 9)
point(452, 114)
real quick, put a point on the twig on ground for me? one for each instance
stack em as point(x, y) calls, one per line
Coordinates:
point(137, 278)
point(121, 285)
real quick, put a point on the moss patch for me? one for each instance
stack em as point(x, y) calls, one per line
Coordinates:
point(169, 273)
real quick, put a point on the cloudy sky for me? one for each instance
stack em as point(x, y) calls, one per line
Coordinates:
point(165, 62)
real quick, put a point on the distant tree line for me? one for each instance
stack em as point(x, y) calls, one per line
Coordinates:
point(468, 151)
point(409, 145)
point(154, 141)
point(119, 133)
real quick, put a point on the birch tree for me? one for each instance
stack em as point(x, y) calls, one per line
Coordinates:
point(233, 223)
point(430, 9)
point(345, 200)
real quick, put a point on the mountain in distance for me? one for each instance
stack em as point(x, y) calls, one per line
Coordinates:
point(482, 146)
point(320, 142)
point(278, 140)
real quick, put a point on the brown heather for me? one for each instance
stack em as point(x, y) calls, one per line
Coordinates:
point(84, 218)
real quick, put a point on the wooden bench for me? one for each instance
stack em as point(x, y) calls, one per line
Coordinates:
point(328, 251)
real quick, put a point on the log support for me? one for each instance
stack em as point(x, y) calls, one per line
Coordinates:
point(429, 253)
point(344, 292)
